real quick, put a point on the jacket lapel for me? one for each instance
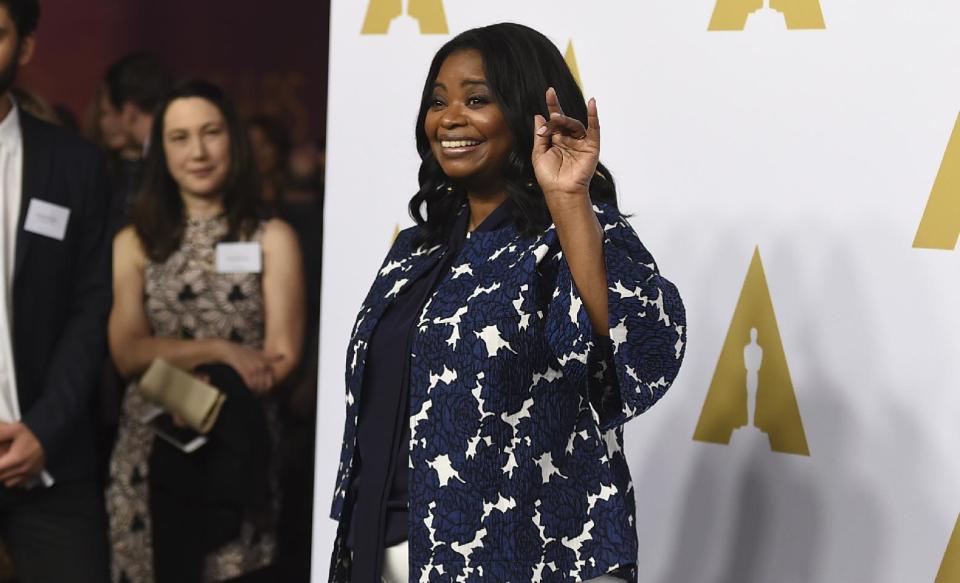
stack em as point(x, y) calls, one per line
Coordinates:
point(384, 291)
point(37, 162)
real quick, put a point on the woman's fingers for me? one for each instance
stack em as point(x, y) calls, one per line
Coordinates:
point(260, 378)
point(593, 122)
point(566, 126)
point(256, 369)
point(541, 136)
point(559, 121)
point(553, 102)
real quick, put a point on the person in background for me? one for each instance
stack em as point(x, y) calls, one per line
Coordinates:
point(54, 301)
point(291, 189)
point(242, 330)
point(124, 167)
point(271, 145)
point(301, 205)
point(103, 127)
point(133, 88)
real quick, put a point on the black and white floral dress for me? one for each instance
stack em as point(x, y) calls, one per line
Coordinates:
point(185, 297)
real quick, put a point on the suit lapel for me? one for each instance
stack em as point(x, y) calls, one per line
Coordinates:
point(37, 162)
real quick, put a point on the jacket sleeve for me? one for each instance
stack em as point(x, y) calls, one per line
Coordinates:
point(625, 373)
point(77, 358)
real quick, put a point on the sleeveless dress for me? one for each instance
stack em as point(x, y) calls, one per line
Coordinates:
point(186, 298)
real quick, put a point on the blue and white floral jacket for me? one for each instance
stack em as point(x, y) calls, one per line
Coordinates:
point(517, 469)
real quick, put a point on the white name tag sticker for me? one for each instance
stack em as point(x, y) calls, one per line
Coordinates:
point(239, 258)
point(47, 219)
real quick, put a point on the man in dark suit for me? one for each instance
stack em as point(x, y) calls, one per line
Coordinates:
point(54, 301)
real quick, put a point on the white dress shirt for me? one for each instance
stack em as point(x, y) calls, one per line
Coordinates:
point(11, 185)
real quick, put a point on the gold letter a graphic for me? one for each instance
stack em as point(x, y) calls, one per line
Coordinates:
point(429, 13)
point(799, 14)
point(940, 226)
point(571, 58)
point(950, 568)
point(725, 408)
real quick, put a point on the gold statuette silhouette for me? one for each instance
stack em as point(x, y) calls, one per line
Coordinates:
point(940, 225)
point(571, 58)
point(950, 567)
point(428, 13)
point(753, 345)
point(799, 14)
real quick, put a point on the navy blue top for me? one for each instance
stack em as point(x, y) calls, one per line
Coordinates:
point(380, 486)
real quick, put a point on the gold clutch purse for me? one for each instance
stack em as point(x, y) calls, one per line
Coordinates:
point(178, 392)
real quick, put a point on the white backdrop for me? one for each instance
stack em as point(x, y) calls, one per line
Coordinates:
point(819, 146)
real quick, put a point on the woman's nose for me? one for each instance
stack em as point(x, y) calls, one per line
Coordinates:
point(453, 116)
point(197, 148)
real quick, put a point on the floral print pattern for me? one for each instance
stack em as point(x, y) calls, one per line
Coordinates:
point(185, 297)
point(517, 469)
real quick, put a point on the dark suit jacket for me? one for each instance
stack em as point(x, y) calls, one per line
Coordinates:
point(61, 297)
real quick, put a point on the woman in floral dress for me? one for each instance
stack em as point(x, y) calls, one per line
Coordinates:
point(173, 301)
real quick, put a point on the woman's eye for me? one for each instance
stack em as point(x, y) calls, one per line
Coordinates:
point(436, 102)
point(478, 100)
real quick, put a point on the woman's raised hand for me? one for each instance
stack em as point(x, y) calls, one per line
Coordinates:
point(565, 154)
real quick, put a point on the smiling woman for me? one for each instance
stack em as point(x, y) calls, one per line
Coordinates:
point(209, 515)
point(197, 146)
point(468, 134)
point(490, 368)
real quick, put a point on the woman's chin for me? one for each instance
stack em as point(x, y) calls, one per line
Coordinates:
point(205, 191)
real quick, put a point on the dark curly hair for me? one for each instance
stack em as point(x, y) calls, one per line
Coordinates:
point(520, 64)
point(158, 213)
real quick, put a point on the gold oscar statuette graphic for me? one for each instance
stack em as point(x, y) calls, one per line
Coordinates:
point(798, 14)
point(428, 13)
point(940, 225)
point(571, 58)
point(751, 386)
point(950, 567)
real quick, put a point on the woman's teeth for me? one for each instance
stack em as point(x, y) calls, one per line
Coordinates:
point(458, 143)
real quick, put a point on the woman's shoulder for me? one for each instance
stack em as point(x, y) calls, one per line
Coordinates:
point(407, 237)
point(126, 235)
point(278, 240)
point(276, 229)
point(128, 247)
point(408, 242)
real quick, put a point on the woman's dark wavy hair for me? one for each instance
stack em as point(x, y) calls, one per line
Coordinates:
point(158, 213)
point(520, 64)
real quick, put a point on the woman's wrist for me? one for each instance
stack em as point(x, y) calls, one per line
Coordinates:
point(574, 212)
point(217, 349)
point(567, 202)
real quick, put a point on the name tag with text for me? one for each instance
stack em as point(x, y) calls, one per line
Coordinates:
point(239, 258)
point(47, 219)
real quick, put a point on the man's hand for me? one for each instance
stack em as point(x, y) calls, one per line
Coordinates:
point(23, 458)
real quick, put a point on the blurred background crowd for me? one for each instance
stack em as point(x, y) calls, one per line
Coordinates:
point(101, 69)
